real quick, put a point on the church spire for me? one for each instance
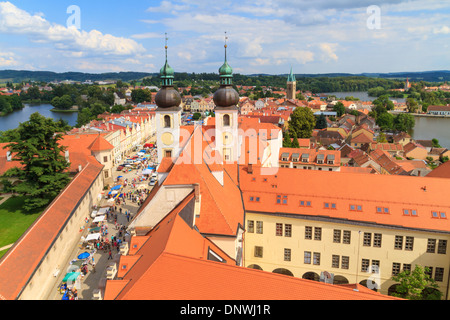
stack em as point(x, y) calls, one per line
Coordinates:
point(167, 73)
point(226, 72)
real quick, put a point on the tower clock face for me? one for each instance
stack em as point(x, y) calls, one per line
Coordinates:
point(167, 138)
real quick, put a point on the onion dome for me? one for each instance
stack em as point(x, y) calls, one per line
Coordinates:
point(226, 96)
point(167, 97)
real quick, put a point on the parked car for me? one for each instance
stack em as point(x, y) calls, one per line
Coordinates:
point(120, 168)
point(152, 183)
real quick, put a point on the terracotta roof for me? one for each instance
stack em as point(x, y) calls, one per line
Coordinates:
point(100, 144)
point(174, 261)
point(443, 171)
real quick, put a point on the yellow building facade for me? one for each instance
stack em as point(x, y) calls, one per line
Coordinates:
point(353, 252)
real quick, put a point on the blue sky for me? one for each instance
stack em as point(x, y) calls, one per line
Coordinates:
point(265, 36)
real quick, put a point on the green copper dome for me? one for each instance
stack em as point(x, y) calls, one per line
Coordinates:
point(167, 71)
point(226, 70)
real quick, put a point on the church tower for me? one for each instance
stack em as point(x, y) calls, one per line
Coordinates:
point(291, 87)
point(168, 115)
point(226, 100)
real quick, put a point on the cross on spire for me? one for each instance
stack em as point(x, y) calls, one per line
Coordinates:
point(166, 45)
point(226, 45)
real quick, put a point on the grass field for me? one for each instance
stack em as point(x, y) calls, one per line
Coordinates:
point(14, 221)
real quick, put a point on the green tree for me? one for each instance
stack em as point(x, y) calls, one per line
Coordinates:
point(416, 285)
point(84, 117)
point(287, 141)
point(385, 121)
point(404, 122)
point(339, 108)
point(44, 173)
point(294, 139)
point(435, 143)
point(141, 95)
point(302, 122)
point(321, 122)
point(412, 105)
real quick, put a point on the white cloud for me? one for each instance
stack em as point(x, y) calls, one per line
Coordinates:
point(7, 59)
point(168, 7)
point(443, 30)
point(16, 21)
point(328, 50)
point(148, 35)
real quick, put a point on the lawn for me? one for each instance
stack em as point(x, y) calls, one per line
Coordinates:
point(14, 221)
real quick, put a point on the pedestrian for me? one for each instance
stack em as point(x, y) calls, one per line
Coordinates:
point(93, 267)
point(110, 255)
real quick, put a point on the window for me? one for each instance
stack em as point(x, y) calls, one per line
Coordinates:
point(279, 229)
point(431, 246)
point(105, 159)
point(317, 233)
point(305, 203)
point(258, 252)
point(259, 227)
point(406, 212)
point(337, 236)
point(167, 122)
point(316, 258)
point(352, 207)
point(251, 226)
point(307, 257)
point(252, 199)
point(375, 267)
point(443, 215)
point(281, 199)
point(168, 153)
point(434, 214)
point(308, 233)
point(442, 247)
point(409, 243)
point(359, 208)
point(365, 265)
point(326, 205)
point(398, 242)
point(346, 237)
point(395, 268)
point(333, 206)
point(377, 240)
point(429, 271)
point(345, 262)
point(287, 254)
point(288, 230)
point(335, 261)
point(226, 120)
point(439, 274)
point(379, 210)
point(407, 267)
point(367, 239)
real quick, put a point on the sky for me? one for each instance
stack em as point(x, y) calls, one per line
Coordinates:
point(264, 36)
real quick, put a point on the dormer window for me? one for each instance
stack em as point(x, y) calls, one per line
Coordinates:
point(305, 157)
point(331, 159)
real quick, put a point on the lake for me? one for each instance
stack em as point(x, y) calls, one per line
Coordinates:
point(12, 121)
point(363, 96)
point(428, 128)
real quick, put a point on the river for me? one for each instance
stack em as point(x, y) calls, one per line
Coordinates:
point(12, 120)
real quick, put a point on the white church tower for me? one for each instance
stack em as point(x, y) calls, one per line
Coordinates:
point(168, 115)
point(227, 113)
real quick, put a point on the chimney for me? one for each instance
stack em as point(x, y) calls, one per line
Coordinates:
point(197, 192)
point(250, 168)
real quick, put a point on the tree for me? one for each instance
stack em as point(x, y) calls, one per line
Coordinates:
point(302, 122)
point(44, 173)
point(385, 121)
point(294, 139)
point(416, 285)
point(321, 122)
point(339, 108)
point(435, 143)
point(404, 122)
point(412, 105)
point(287, 141)
point(141, 95)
